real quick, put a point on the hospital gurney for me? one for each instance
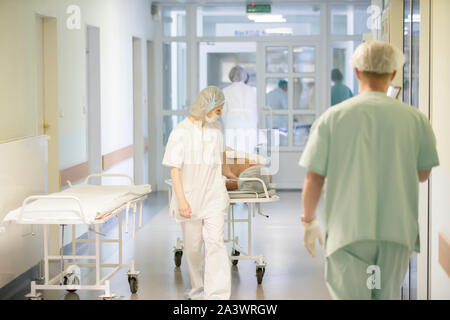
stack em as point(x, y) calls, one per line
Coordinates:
point(83, 204)
point(253, 201)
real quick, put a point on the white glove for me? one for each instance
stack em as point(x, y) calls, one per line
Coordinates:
point(312, 232)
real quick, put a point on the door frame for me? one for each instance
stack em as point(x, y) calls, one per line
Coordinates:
point(290, 75)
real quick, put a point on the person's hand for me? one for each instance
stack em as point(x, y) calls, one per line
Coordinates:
point(312, 232)
point(184, 209)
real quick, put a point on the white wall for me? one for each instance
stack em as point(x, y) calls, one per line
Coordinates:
point(18, 253)
point(119, 21)
point(440, 110)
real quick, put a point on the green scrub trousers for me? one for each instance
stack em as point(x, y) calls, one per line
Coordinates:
point(346, 270)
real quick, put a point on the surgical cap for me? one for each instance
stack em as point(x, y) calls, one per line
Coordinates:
point(282, 83)
point(378, 57)
point(237, 74)
point(207, 99)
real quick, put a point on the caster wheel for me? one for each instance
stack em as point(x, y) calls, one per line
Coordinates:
point(235, 253)
point(177, 257)
point(260, 274)
point(133, 282)
point(71, 281)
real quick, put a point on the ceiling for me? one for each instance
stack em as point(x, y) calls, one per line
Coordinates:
point(244, 1)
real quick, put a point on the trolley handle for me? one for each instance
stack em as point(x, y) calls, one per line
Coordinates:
point(86, 181)
point(79, 212)
point(254, 179)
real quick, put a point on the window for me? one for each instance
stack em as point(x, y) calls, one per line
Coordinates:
point(290, 85)
point(349, 19)
point(174, 76)
point(174, 21)
point(304, 59)
point(348, 25)
point(343, 78)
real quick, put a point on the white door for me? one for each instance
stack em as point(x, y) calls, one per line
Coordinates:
point(288, 101)
point(94, 141)
point(138, 112)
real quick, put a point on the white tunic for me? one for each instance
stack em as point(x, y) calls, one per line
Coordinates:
point(198, 153)
point(240, 117)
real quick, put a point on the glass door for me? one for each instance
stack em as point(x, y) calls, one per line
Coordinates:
point(289, 86)
point(289, 103)
point(411, 41)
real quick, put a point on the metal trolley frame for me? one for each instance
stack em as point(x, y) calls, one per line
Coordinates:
point(64, 280)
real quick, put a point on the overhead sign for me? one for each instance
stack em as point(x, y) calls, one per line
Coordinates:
point(259, 8)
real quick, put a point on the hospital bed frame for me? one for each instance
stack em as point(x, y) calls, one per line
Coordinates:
point(101, 284)
point(254, 205)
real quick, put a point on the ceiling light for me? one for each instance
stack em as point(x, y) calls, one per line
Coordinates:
point(266, 17)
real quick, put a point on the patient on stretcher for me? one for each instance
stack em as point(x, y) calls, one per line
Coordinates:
point(247, 167)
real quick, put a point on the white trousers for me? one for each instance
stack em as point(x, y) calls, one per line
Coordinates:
point(217, 280)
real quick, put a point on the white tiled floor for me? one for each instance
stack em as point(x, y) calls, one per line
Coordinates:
point(290, 273)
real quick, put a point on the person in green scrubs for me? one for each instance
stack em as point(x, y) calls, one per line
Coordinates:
point(372, 151)
point(339, 91)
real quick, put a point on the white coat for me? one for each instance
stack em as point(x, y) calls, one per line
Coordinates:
point(240, 117)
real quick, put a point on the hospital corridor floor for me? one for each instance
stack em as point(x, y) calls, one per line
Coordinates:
point(290, 272)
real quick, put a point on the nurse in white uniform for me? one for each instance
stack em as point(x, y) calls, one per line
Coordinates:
point(240, 113)
point(194, 153)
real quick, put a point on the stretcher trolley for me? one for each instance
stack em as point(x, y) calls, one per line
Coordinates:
point(253, 201)
point(91, 205)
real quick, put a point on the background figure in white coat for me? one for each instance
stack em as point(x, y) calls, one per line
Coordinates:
point(240, 113)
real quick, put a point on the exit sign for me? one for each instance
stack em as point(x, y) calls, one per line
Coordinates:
point(259, 8)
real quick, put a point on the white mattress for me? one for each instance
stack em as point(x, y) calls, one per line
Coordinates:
point(96, 201)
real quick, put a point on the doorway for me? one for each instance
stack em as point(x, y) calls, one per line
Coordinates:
point(94, 142)
point(138, 114)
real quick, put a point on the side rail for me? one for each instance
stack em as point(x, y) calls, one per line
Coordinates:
point(79, 212)
point(119, 175)
point(266, 193)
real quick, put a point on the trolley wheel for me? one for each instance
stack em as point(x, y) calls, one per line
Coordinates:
point(177, 257)
point(235, 253)
point(35, 298)
point(260, 274)
point(75, 281)
point(133, 282)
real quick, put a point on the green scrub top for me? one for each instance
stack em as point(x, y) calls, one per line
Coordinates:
point(340, 93)
point(370, 148)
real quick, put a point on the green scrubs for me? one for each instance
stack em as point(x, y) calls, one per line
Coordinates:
point(348, 270)
point(370, 148)
point(339, 93)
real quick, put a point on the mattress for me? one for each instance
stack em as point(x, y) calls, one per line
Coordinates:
point(96, 202)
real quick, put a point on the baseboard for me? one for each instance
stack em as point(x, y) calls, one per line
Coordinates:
point(15, 289)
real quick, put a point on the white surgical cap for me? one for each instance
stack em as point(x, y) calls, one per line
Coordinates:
point(207, 99)
point(378, 57)
point(237, 74)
